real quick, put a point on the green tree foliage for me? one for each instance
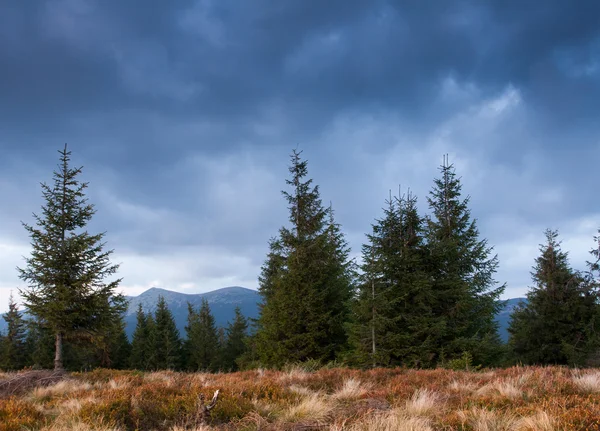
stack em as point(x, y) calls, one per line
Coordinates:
point(202, 344)
point(235, 343)
point(560, 323)
point(68, 267)
point(116, 348)
point(306, 281)
point(143, 355)
point(12, 350)
point(462, 268)
point(39, 345)
point(166, 337)
point(394, 322)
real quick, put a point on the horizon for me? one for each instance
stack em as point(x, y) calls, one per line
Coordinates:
point(184, 115)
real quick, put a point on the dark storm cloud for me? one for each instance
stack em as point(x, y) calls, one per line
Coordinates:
point(183, 113)
point(227, 59)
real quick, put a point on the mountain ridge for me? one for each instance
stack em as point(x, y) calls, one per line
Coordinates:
point(223, 302)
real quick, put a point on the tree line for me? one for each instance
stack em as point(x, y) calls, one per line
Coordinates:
point(423, 293)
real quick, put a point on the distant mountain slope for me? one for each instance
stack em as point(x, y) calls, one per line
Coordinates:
point(223, 302)
point(222, 305)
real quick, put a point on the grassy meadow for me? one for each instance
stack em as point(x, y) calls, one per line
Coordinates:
point(518, 398)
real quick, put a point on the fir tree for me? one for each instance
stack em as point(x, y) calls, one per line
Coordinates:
point(462, 269)
point(116, 348)
point(167, 341)
point(394, 322)
point(560, 323)
point(235, 344)
point(306, 282)
point(13, 343)
point(142, 343)
point(68, 266)
point(203, 340)
point(374, 317)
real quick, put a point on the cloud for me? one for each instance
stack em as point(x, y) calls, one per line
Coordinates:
point(183, 115)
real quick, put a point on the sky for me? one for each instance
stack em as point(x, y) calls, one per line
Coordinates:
point(183, 115)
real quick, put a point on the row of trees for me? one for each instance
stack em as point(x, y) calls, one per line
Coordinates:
point(156, 343)
point(424, 293)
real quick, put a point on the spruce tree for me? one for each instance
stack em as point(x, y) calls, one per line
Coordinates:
point(560, 323)
point(374, 317)
point(462, 268)
point(142, 343)
point(68, 267)
point(306, 281)
point(394, 322)
point(166, 338)
point(235, 344)
point(13, 343)
point(202, 339)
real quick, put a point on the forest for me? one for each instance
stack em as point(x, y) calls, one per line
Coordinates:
point(423, 294)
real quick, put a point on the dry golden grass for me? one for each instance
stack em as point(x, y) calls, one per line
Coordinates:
point(588, 382)
point(395, 420)
point(351, 389)
point(423, 403)
point(314, 407)
point(515, 399)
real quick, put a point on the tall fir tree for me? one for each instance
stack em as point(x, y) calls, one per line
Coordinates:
point(167, 340)
point(142, 356)
point(68, 267)
point(374, 317)
point(306, 281)
point(394, 322)
point(235, 344)
point(462, 268)
point(202, 339)
point(13, 351)
point(560, 322)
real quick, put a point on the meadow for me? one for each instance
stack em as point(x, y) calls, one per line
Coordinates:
point(518, 398)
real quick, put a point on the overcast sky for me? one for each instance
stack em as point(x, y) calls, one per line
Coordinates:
point(184, 113)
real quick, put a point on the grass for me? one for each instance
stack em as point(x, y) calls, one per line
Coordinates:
point(513, 399)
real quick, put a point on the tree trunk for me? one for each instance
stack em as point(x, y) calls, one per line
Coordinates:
point(58, 352)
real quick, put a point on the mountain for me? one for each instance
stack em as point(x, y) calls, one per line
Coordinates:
point(222, 304)
point(503, 316)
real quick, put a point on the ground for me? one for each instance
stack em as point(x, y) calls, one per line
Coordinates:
point(518, 398)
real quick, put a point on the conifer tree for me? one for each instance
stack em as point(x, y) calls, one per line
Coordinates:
point(68, 267)
point(203, 340)
point(117, 348)
point(560, 323)
point(167, 341)
point(235, 344)
point(142, 343)
point(13, 343)
point(462, 268)
point(394, 322)
point(306, 281)
point(374, 317)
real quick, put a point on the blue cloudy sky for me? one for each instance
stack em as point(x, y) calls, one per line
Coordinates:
point(184, 113)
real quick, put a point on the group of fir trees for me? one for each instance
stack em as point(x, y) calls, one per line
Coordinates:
point(425, 292)
point(157, 344)
point(560, 322)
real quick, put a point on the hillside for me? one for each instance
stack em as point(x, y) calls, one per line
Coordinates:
point(222, 304)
